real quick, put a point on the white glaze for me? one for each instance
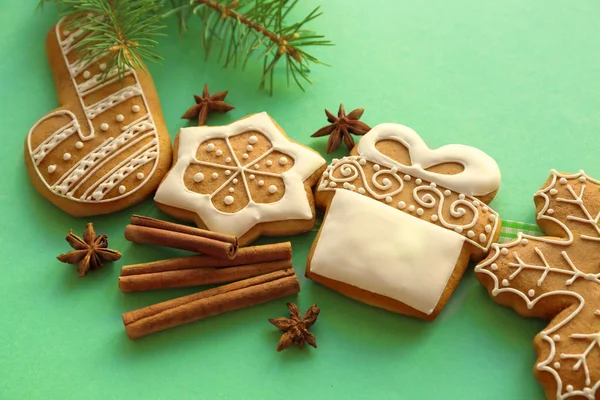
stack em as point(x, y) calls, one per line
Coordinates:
point(101, 155)
point(403, 269)
point(481, 175)
point(388, 182)
point(293, 204)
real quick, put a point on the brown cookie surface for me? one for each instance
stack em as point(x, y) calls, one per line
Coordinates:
point(106, 147)
point(557, 277)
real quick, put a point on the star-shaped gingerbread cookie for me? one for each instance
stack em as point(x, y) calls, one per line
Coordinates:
point(245, 179)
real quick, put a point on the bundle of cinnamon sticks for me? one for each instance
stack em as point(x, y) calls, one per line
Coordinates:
point(260, 274)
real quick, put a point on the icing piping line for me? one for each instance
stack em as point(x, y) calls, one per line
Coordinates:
point(100, 152)
point(112, 156)
point(78, 68)
point(133, 164)
point(351, 169)
point(588, 392)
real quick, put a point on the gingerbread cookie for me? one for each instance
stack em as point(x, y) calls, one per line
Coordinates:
point(557, 277)
point(107, 146)
point(403, 221)
point(245, 179)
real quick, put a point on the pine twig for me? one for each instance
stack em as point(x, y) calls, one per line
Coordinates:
point(127, 30)
point(248, 28)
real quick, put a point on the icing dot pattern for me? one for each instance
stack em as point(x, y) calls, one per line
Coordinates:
point(249, 161)
point(540, 271)
point(198, 177)
point(102, 114)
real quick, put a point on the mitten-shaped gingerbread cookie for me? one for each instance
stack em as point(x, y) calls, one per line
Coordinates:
point(403, 220)
point(107, 146)
point(245, 179)
point(557, 277)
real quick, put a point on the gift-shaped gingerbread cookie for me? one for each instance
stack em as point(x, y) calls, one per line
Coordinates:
point(245, 179)
point(557, 277)
point(402, 221)
point(107, 146)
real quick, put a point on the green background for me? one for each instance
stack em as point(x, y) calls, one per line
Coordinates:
point(518, 79)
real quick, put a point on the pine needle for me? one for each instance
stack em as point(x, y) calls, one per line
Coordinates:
point(125, 29)
point(237, 30)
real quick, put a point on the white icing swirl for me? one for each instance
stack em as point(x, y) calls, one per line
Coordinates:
point(457, 209)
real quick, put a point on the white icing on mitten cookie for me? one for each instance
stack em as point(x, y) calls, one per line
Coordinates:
point(106, 147)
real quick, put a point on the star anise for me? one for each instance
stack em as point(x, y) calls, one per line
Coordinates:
point(341, 127)
point(90, 252)
point(206, 104)
point(295, 329)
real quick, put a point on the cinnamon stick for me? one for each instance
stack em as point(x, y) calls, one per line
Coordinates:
point(147, 230)
point(244, 256)
point(194, 307)
point(205, 269)
point(198, 276)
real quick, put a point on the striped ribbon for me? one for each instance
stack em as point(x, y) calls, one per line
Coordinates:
point(510, 229)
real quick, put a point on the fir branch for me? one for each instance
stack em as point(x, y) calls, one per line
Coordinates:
point(258, 27)
point(243, 29)
point(125, 29)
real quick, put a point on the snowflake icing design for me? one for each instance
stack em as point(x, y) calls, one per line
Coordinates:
point(557, 277)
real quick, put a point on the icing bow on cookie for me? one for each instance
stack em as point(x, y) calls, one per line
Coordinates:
point(450, 185)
